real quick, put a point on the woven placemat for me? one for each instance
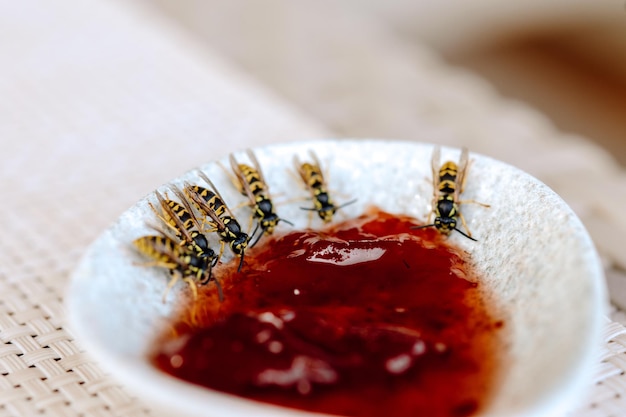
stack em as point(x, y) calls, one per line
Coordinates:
point(100, 103)
point(607, 396)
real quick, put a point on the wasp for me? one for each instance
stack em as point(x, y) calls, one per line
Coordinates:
point(179, 217)
point(252, 184)
point(211, 204)
point(181, 262)
point(448, 184)
point(313, 178)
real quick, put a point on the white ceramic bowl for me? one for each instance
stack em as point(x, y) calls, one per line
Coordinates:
point(533, 254)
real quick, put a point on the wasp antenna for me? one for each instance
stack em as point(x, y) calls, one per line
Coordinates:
point(308, 209)
point(346, 204)
point(257, 239)
point(285, 221)
point(253, 233)
point(220, 292)
point(423, 226)
point(466, 235)
point(255, 229)
point(240, 263)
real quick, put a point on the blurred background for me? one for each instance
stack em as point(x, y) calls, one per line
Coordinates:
point(351, 64)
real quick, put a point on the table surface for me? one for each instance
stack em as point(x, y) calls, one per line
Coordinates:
point(101, 102)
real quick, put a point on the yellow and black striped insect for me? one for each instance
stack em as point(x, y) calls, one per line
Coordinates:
point(180, 219)
point(448, 184)
point(181, 262)
point(211, 204)
point(252, 184)
point(313, 178)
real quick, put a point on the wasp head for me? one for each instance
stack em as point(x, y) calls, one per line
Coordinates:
point(268, 223)
point(239, 244)
point(445, 224)
point(325, 207)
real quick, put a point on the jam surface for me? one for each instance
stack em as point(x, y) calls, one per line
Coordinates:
point(367, 318)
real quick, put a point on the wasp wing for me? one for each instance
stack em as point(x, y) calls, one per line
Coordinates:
point(217, 193)
point(184, 200)
point(191, 192)
point(462, 170)
point(435, 165)
point(299, 169)
point(241, 178)
point(318, 167)
point(172, 219)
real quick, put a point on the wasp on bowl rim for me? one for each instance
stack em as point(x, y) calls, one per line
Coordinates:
point(448, 184)
point(313, 178)
point(210, 203)
point(251, 183)
point(181, 220)
point(181, 263)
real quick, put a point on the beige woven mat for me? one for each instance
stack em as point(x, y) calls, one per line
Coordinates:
point(99, 104)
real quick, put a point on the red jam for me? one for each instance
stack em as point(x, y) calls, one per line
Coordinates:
point(367, 318)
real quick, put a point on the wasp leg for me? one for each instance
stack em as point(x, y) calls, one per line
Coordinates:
point(469, 234)
point(220, 292)
point(170, 284)
point(162, 218)
point(193, 286)
point(211, 229)
point(473, 202)
point(250, 225)
point(242, 204)
point(222, 244)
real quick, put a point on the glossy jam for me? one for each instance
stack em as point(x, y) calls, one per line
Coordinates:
point(369, 318)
